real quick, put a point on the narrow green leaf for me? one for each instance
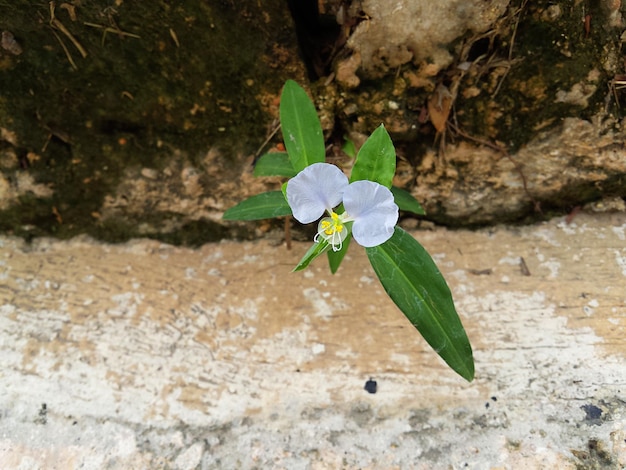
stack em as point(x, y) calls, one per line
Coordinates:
point(316, 250)
point(274, 164)
point(336, 257)
point(262, 206)
point(348, 147)
point(406, 202)
point(376, 160)
point(412, 280)
point(302, 131)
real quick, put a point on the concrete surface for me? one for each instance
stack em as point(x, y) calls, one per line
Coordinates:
point(145, 355)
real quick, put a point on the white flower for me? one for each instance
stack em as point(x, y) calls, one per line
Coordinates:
point(322, 187)
point(317, 188)
point(371, 207)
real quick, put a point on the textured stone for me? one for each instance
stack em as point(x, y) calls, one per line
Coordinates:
point(145, 355)
point(500, 111)
point(576, 163)
point(417, 31)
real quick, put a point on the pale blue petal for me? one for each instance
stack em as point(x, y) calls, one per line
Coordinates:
point(373, 210)
point(317, 188)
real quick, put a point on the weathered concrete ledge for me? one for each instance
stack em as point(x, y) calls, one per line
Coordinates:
point(144, 355)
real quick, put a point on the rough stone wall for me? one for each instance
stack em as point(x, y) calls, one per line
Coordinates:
point(118, 119)
point(499, 110)
point(391, 34)
point(581, 161)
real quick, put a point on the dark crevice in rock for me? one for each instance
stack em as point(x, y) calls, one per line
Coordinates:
point(317, 36)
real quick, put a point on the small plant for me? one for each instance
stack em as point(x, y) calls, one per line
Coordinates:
point(364, 207)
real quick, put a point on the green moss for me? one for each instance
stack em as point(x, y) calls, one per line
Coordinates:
point(157, 76)
point(145, 87)
point(550, 55)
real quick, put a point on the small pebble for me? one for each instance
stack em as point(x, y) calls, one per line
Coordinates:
point(371, 386)
point(10, 44)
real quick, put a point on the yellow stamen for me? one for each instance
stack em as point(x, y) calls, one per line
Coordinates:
point(332, 230)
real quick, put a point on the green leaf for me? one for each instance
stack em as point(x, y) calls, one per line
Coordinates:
point(348, 147)
point(412, 280)
point(316, 250)
point(406, 202)
point(262, 206)
point(274, 164)
point(376, 161)
point(336, 257)
point(302, 131)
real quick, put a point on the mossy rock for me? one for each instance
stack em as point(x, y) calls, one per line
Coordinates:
point(101, 89)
